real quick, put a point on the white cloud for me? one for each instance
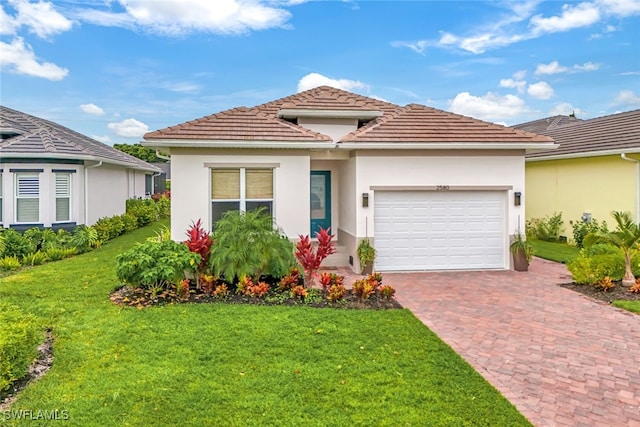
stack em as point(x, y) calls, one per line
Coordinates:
point(17, 57)
point(516, 82)
point(620, 7)
point(92, 109)
point(580, 15)
point(104, 139)
point(40, 18)
point(129, 128)
point(628, 98)
point(175, 17)
point(314, 80)
point(8, 24)
point(587, 66)
point(553, 67)
point(491, 107)
point(513, 84)
point(418, 47)
point(540, 90)
point(182, 87)
point(565, 109)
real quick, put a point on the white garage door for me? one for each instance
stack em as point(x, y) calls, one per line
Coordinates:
point(436, 230)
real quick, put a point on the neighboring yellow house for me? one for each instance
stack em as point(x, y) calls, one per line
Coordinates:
point(595, 169)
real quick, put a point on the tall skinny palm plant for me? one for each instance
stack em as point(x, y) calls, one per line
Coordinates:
point(626, 237)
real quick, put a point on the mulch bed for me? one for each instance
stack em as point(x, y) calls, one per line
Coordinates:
point(619, 292)
point(127, 296)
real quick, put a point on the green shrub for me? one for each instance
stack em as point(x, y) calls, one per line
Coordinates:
point(109, 227)
point(163, 207)
point(151, 264)
point(20, 335)
point(143, 209)
point(16, 244)
point(246, 244)
point(2, 244)
point(55, 254)
point(129, 221)
point(581, 229)
point(547, 228)
point(595, 263)
point(10, 263)
point(84, 238)
point(35, 258)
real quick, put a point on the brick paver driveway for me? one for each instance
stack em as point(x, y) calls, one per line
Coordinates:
point(559, 357)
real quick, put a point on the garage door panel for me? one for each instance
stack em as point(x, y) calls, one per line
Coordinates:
point(439, 230)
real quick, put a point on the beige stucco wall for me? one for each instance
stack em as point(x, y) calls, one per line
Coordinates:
point(191, 193)
point(335, 128)
point(597, 185)
point(109, 187)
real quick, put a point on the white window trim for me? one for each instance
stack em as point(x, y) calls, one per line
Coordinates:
point(243, 190)
point(69, 196)
point(17, 196)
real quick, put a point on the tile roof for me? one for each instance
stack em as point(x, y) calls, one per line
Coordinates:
point(412, 123)
point(616, 132)
point(548, 123)
point(417, 123)
point(35, 137)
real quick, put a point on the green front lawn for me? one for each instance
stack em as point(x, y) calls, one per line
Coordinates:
point(632, 306)
point(217, 364)
point(554, 251)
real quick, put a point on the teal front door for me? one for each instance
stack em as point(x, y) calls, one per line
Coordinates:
point(320, 200)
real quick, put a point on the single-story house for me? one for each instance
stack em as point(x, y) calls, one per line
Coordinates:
point(432, 190)
point(52, 176)
point(595, 169)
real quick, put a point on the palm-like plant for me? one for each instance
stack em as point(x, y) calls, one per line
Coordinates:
point(626, 237)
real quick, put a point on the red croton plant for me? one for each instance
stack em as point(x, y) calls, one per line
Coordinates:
point(199, 241)
point(311, 258)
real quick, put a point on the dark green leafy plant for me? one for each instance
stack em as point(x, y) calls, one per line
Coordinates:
point(19, 339)
point(84, 238)
point(151, 264)
point(36, 258)
point(16, 244)
point(626, 237)
point(143, 209)
point(129, 221)
point(581, 229)
point(247, 244)
point(547, 228)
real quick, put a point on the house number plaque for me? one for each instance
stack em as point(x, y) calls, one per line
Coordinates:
point(442, 188)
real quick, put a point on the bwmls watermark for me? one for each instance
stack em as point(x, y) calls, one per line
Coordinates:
point(34, 415)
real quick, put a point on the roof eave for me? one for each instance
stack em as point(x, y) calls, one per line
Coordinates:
point(367, 145)
point(193, 143)
point(151, 168)
point(585, 154)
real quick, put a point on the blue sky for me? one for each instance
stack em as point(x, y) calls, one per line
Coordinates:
point(115, 69)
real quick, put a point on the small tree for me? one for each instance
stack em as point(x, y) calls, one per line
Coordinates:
point(626, 236)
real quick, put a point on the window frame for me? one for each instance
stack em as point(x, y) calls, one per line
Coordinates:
point(242, 200)
point(69, 197)
point(1, 196)
point(21, 174)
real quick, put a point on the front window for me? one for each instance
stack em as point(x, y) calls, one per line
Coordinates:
point(27, 197)
point(63, 197)
point(240, 189)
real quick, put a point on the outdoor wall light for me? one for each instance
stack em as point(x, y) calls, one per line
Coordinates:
point(365, 200)
point(517, 198)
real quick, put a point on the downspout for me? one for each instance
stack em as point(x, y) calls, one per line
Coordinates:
point(623, 156)
point(86, 190)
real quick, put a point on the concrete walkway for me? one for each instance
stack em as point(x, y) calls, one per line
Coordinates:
point(559, 357)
